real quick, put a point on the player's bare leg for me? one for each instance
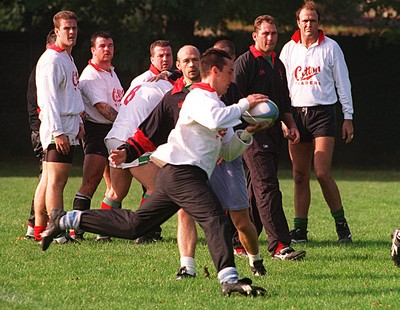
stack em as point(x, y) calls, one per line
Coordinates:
point(146, 175)
point(301, 156)
point(246, 229)
point(107, 177)
point(186, 239)
point(323, 153)
point(93, 169)
point(57, 177)
point(120, 183)
point(39, 203)
point(249, 238)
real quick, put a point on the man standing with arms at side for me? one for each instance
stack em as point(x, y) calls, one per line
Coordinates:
point(101, 93)
point(316, 71)
point(260, 71)
point(34, 122)
point(60, 103)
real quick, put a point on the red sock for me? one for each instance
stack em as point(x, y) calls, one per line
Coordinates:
point(105, 206)
point(108, 204)
point(144, 197)
point(279, 247)
point(37, 231)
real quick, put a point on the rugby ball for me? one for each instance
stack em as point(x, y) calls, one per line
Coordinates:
point(264, 113)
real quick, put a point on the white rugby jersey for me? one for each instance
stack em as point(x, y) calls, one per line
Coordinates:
point(58, 96)
point(145, 76)
point(205, 125)
point(316, 73)
point(136, 105)
point(98, 85)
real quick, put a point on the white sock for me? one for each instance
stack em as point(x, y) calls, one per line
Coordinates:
point(71, 219)
point(253, 258)
point(189, 263)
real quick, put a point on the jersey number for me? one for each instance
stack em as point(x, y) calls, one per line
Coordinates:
point(131, 94)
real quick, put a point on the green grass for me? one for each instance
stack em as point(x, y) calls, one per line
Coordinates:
point(122, 275)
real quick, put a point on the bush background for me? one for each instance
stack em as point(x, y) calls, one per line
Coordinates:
point(371, 56)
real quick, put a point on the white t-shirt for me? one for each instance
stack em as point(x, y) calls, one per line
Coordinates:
point(98, 85)
point(58, 95)
point(145, 76)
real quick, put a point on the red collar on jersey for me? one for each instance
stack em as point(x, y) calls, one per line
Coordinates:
point(55, 48)
point(256, 53)
point(296, 37)
point(96, 66)
point(204, 86)
point(154, 70)
point(178, 86)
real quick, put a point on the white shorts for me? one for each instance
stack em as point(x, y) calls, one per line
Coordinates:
point(229, 185)
point(114, 143)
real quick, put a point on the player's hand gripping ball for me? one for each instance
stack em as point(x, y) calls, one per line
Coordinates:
point(264, 113)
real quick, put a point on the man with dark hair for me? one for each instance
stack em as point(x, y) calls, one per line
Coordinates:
point(34, 122)
point(121, 176)
point(206, 130)
point(161, 60)
point(317, 78)
point(101, 93)
point(259, 70)
point(60, 103)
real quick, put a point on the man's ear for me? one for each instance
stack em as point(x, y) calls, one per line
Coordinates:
point(254, 36)
point(177, 65)
point(214, 70)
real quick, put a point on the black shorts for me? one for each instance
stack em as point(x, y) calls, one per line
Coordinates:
point(51, 155)
point(318, 121)
point(93, 141)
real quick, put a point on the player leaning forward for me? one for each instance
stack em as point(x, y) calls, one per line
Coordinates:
point(202, 134)
point(60, 103)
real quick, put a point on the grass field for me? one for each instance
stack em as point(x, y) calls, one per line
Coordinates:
point(122, 275)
